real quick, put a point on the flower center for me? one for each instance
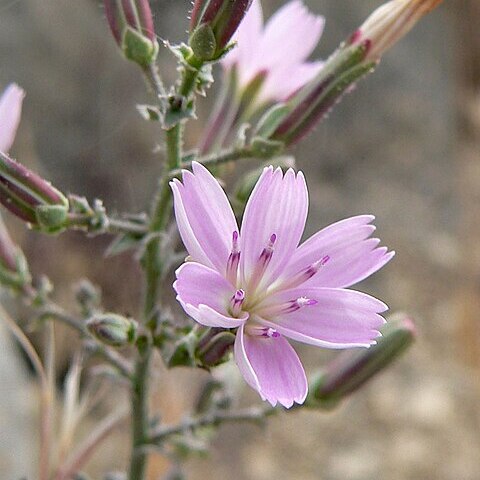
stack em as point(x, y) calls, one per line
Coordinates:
point(236, 303)
point(253, 299)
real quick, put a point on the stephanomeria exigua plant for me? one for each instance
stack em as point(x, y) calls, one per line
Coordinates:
point(246, 290)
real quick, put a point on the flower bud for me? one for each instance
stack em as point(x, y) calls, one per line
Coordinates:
point(30, 197)
point(13, 264)
point(214, 348)
point(389, 23)
point(112, 329)
point(353, 60)
point(213, 23)
point(131, 23)
point(353, 368)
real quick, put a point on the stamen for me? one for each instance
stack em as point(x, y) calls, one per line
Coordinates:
point(270, 333)
point(287, 307)
point(304, 275)
point(297, 304)
point(262, 263)
point(236, 303)
point(233, 260)
point(267, 332)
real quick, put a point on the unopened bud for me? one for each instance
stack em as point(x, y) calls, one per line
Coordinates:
point(353, 60)
point(213, 23)
point(112, 329)
point(353, 368)
point(30, 197)
point(131, 23)
point(214, 348)
point(389, 23)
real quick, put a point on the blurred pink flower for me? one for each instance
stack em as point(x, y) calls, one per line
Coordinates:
point(265, 285)
point(10, 112)
point(278, 50)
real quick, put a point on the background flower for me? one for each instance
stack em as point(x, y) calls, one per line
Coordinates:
point(10, 112)
point(278, 50)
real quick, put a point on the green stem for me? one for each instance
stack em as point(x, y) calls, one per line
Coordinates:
point(159, 220)
point(140, 416)
point(190, 76)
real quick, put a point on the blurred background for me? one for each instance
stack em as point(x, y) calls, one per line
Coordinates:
point(404, 146)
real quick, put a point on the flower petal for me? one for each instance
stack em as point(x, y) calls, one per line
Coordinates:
point(10, 112)
point(290, 35)
point(284, 81)
point(340, 318)
point(352, 255)
point(278, 205)
point(204, 294)
point(272, 367)
point(205, 218)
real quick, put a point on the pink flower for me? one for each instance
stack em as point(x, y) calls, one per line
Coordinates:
point(277, 51)
point(10, 112)
point(258, 280)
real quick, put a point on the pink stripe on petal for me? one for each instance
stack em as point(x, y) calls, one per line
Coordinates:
point(205, 295)
point(10, 113)
point(271, 366)
point(340, 319)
